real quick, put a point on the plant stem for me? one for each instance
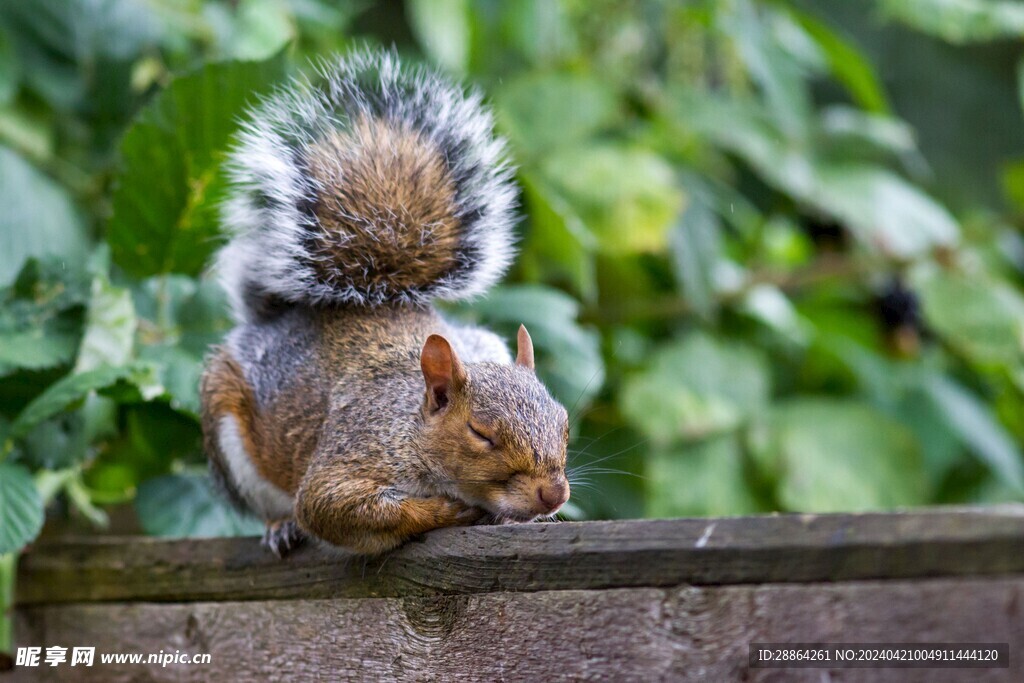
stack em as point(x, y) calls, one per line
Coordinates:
point(8, 563)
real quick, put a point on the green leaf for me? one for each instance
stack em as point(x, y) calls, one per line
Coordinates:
point(696, 388)
point(179, 372)
point(884, 132)
point(9, 71)
point(959, 21)
point(57, 443)
point(170, 182)
point(43, 36)
point(900, 390)
point(81, 501)
point(569, 356)
point(847, 64)
point(883, 210)
point(627, 196)
point(714, 481)
point(34, 350)
point(443, 29)
point(769, 65)
point(557, 247)
point(99, 418)
point(202, 317)
point(40, 316)
point(746, 129)
point(733, 207)
point(1020, 82)
point(152, 440)
point(21, 510)
point(75, 387)
point(697, 249)
point(785, 243)
point(980, 316)
point(157, 300)
point(540, 30)
point(769, 305)
point(256, 29)
point(941, 448)
point(179, 319)
point(23, 129)
point(978, 429)
point(31, 199)
point(50, 283)
point(110, 327)
point(1013, 171)
point(186, 506)
point(75, 53)
point(543, 111)
point(830, 455)
point(83, 29)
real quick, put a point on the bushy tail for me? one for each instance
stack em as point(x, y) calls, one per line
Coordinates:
point(366, 184)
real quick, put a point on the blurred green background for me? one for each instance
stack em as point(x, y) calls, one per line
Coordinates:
point(771, 252)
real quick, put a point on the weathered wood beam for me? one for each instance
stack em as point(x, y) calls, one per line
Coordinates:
point(534, 557)
point(687, 633)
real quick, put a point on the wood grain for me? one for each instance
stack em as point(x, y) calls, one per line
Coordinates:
point(535, 557)
point(686, 633)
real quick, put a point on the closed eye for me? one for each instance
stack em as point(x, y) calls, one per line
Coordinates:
point(483, 437)
point(504, 481)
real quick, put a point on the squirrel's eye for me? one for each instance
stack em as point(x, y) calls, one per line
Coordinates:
point(478, 434)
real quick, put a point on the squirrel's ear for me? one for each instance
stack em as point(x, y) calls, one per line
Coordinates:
point(442, 371)
point(525, 355)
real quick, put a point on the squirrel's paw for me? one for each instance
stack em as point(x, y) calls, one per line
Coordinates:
point(463, 514)
point(282, 536)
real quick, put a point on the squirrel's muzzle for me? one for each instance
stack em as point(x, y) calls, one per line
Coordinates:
point(550, 497)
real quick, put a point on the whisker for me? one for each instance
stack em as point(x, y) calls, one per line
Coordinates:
point(591, 444)
point(584, 452)
point(601, 470)
point(573, 420)
point(615, 471)
point(617, 453)
point(578, 417)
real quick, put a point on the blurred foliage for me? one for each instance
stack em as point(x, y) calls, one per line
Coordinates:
point(749, 282)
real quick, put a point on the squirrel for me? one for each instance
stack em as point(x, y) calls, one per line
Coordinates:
point(342, 405)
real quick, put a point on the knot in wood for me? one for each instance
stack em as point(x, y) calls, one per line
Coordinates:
point(434, 618)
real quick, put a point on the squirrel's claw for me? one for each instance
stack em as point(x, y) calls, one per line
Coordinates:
point(282, 536)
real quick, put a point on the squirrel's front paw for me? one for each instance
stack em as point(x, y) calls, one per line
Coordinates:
point(463, 514)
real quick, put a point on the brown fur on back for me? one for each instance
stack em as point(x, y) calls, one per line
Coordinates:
point(386, 205)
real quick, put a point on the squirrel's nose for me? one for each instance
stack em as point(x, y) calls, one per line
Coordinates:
point(553, 496)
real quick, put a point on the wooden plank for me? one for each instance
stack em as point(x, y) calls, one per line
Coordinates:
point(531, 557)
point(685, 633)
